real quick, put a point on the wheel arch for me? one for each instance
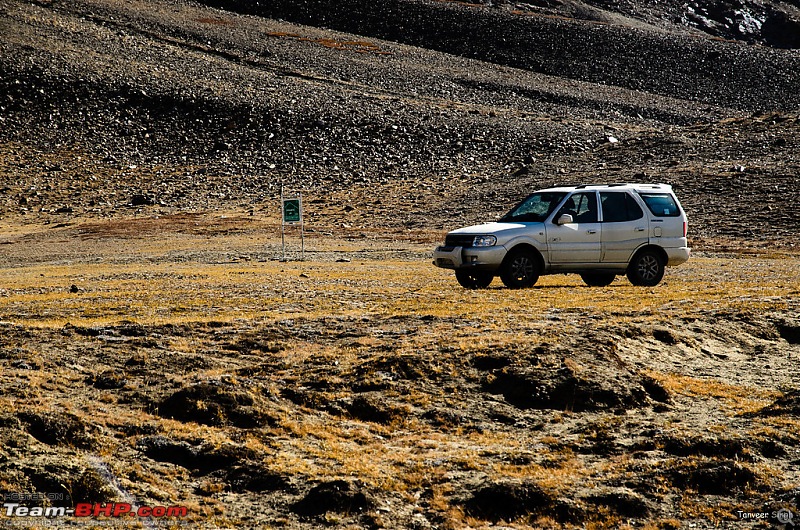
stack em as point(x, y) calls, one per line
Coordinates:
point(658, 250)
point(526, 246)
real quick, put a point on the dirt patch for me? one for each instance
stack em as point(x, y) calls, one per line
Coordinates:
point(376, 408)
point(570, 387)
point(788, 404)
point(201, 459)
point(622, 501)
point(255, 478)
point(59, 429)
point(108, 380)
point(730, 448)
point(790, 332)
point(508, 501)
point(91, 486)
point(215, 403)
point(338, 496)
point(715, 477)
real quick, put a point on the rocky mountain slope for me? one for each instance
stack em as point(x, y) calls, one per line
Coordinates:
point(187, 107)
point(153, 352)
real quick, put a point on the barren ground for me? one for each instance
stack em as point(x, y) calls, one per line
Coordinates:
point(362, 387)
point(155, 350)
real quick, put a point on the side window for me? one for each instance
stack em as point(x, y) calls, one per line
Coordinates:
point(661, 204)
point(581, 206)
point(619, 207)
point(614, 208)
point(634, 211)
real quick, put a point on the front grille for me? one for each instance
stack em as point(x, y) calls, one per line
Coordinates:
point(453, 240)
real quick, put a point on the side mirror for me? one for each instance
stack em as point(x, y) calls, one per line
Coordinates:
point(565, 219)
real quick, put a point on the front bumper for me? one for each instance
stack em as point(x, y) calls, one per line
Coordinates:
point(677, 255)
point(480, 258)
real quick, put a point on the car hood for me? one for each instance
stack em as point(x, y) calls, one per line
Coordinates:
point(491, 228)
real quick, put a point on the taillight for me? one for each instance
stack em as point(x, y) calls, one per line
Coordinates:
point(685, 228)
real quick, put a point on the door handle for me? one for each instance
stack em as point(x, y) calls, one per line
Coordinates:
point(591, 231)
point(639, 229)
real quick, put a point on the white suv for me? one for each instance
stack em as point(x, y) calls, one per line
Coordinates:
point(597, 231)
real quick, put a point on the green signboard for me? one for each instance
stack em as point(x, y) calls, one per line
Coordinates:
point(291, 210)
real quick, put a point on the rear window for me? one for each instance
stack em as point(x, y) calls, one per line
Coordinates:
point(661, 204)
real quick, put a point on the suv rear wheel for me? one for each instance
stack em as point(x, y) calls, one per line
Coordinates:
point(520, 269)
point(474, 279)
point(646, 269)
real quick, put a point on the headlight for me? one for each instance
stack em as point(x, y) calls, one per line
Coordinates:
point(484, 241)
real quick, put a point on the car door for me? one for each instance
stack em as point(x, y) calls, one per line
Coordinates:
point(625, 226)
point(579, 241)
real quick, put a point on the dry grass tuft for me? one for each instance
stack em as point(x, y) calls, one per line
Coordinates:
point(737, 399)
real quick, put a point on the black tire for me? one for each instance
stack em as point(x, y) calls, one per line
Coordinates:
point(598, 279)
point(474, 279)
point(646, 269)
point(520, 269)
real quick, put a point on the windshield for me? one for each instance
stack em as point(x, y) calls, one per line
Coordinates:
point(535, 208)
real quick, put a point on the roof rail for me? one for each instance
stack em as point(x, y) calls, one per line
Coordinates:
point(611, 185)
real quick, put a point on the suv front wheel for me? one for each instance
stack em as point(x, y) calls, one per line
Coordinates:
point(520, 269)
point(646, 269)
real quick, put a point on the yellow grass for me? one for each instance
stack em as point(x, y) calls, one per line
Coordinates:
point(162, 293)
point(738, 399)
point(147, 288)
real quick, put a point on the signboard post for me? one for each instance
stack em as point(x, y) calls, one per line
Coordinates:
point(292, 214)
